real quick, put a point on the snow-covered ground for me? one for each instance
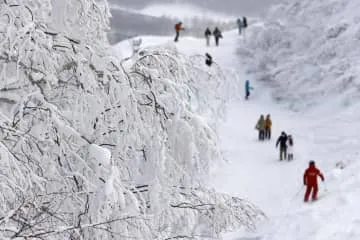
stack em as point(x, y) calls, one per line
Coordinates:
point(253, 170)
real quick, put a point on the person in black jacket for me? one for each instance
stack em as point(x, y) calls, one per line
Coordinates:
point(217, 34)
point(208, 59)
point(282, 140)
point(207, 36)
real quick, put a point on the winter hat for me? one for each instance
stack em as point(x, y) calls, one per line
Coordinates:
point(312, 163)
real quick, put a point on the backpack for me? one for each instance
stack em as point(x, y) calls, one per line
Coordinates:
point(245, 22)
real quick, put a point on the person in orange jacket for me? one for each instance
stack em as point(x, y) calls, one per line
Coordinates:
point(178, 28)
point(310, 181)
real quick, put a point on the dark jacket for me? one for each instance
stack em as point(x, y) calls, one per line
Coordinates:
point(207, 32)
point(282, 141)
point(217, 33)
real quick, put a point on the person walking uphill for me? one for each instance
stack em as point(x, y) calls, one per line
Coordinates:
point(290, 148)
point(178, 28)
point(217, 34)
point(260, 126)
point(207, 36)
point(282, 140)
point(310, 181)
point(268, 124)
point(239, 24)
point(247, 89)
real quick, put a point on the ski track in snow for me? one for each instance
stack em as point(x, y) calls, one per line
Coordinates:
point(253, 170)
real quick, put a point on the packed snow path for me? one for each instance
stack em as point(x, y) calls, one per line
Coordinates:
point(253, 170)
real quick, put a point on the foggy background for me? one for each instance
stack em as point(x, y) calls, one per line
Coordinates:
point(127, 23)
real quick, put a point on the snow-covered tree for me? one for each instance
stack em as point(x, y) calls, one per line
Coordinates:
point(94, 148)
point(305, 49)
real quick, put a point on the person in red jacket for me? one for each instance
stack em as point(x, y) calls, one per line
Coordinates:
point(178, 28)
point(310, 181)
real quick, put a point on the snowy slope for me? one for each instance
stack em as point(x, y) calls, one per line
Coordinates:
point(304, 54)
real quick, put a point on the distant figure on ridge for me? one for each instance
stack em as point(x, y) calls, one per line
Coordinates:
point(178, 28)
point(310, 181)
point(239, 24)
point(207, 36)
point(217, 35)
point(244, 22)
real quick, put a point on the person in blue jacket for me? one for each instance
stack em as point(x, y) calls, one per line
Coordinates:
point(247, 89)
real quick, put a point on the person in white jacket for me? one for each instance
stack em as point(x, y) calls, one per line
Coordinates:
point(290, 148)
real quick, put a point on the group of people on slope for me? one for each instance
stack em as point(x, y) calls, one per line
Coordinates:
point(216, 33)
point(285, 141)
point(264, 127)
point(242, 24)
point(286, 144)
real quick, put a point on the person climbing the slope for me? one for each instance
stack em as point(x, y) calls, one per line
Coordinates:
point(239, 24)
point(260, 126)
point(310, 181)
point(268, 124)
point(208, 59)
point(207, 36)
point(290, 148)
point(247, 89)
point(244, 22)
point(178, 28)
point(282, 140)
point(217, 35)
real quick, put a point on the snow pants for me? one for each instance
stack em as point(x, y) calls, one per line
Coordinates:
point(207, 41)
point(267, 133)
point(177, 36)
point(283, 154)
point(311, 188)
point(261, 135)
point(217, 41)
point(247, 94)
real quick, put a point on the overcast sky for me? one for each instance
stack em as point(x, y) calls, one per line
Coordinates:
point(225, 6)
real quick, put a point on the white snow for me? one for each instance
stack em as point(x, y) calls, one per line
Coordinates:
point(308, 71)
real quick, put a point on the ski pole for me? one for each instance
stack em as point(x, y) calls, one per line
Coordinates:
point(325, 186)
